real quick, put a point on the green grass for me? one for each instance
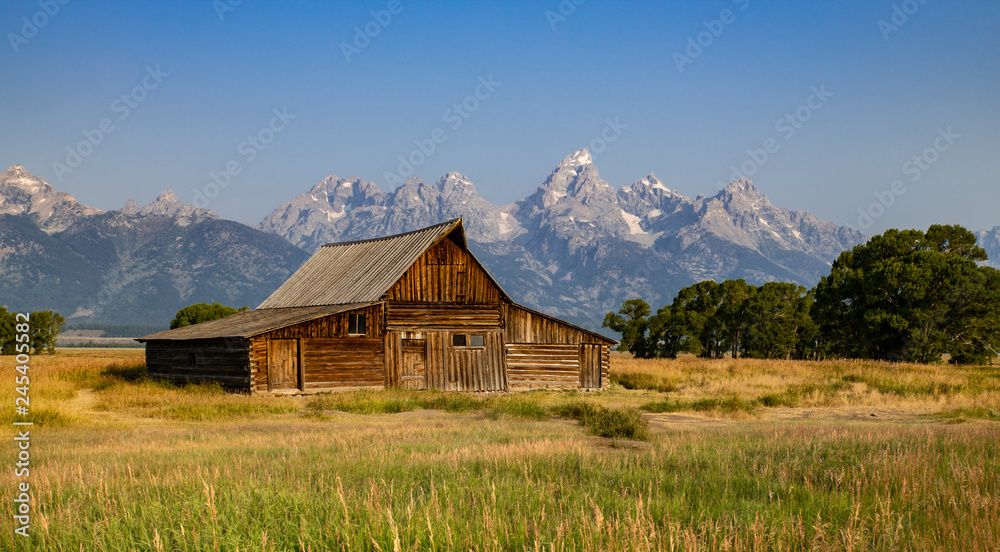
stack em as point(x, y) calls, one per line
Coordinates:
point(195, 468)
point(963, 414)
point(604, 422)
point(387, 483)
point(729, 405)
point(640, 380)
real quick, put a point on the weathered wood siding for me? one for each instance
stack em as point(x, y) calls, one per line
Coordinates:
point(524, 326)
point(330, 359)
point(445, 273)
point(335, 363)
point(332, 326)
point(447, 367)
point(442, 316)
point(226, 361)
point(541, 365)
point(544, 352)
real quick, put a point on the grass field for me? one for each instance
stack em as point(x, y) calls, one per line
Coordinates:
point(678, 455)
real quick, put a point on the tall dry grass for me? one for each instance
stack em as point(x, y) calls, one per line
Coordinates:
point(230, 472)
point(458, 482)
point(753, 383)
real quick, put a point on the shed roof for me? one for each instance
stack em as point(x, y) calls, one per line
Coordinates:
point(250, 323)
point(360, 271)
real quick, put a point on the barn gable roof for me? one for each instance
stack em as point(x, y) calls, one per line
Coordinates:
point(250, 323)
point(361, 271)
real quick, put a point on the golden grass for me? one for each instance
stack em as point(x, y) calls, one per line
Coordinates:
point(916, 388)
point(127, 464)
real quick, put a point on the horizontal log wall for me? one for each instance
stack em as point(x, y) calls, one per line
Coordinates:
point(445, 273)
point(258, 364)
point(540, 366)
point(605, 366)
point(332, 363)
point(441, 316)
point(224, 361)
point(329, 327)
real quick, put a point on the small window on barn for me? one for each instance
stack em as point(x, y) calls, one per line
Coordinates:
point(462, 340)
point(192, 359)
point(356, 324)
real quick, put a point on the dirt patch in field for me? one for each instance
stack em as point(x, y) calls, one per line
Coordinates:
point(819, 414)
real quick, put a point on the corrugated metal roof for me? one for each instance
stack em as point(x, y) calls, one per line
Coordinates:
point(359, 271)
point(250, 323)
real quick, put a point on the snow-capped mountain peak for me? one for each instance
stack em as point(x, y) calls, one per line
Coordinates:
point(22, 193)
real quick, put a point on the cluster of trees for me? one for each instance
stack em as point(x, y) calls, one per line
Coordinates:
point(202, 312)
point(905, 295)
point(715, 319)
point(43, 329)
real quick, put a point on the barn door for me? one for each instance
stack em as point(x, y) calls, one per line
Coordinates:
point(590, 366)
point(283, 364)
point(413, 372)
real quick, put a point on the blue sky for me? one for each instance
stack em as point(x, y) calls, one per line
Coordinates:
point(197, 84)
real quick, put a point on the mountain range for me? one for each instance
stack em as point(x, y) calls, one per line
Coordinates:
point(576, 248)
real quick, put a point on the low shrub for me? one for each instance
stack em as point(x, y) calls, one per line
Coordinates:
point(627, 423)
point(642, 380)
point(729, 405)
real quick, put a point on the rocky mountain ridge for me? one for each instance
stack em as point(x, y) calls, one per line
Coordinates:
point(136, 265)
point(577, 247)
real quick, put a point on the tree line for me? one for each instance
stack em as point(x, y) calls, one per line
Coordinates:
point(905, 295)
point(43, 329)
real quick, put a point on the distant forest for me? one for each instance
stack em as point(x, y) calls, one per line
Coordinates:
point(905, 295)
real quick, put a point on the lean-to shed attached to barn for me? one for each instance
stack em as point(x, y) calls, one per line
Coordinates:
point(414, 310)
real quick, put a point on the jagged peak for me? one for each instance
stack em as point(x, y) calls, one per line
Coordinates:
point(577, 159)
point(167, 204)
point(653, 183)
point(455, 181)
point(742, 185)
point(15, 169)
point(325, 183)
point(168, 196)
point(131, 207)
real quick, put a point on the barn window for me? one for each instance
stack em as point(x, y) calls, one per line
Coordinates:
point(356, 324)
point(462, 340)
point(192, 359)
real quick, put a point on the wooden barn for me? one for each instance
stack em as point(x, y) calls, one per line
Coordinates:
point(414, 310)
